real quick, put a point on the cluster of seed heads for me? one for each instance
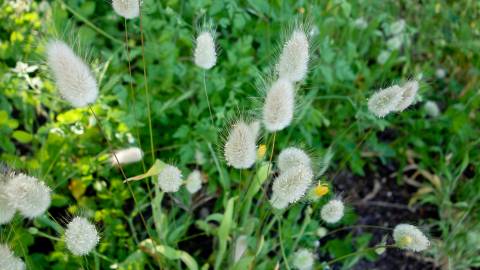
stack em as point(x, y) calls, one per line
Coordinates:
point(393, 99)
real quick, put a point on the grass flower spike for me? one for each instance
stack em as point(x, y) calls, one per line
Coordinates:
point(291, 185)
point(6, 210)
point(81, 236)
point(240, 149)
point(205, 55)
point(194, 181)
point(279, 106)
point(73, 77)
point(28, 195)
point(303, 260)
point(293, 62)
point(170, 179)
point(410, 237)
point(432, 109)
point(409, 91)
point(126, 8)
point(385, 101)
point(291, 157)
point(333, 211)
point(8, 261)
point(126, 156)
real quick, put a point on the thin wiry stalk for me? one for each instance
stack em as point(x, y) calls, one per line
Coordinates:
point(206, 95)
point(284, 256)
point(365, 250)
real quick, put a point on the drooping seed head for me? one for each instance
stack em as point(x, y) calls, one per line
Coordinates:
point(290, 186)
point(303, 259)
point(333, 211)
point(240, 147)
point(407, 236)
point(279, 106)
point(205, 55)
point(292, 157)
point(170, 179)
point(126, 8)
point(81, 236)
point(194, 181)
point(8, 261)
point(293, 62)
point(409, 91)
point(73, 77)
point(28, 195)
point(432, 109)
point(126, 156)
point(385, 101)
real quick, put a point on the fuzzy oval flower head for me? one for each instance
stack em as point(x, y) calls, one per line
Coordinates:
point(194, 181)
point(81, 236)
point(303, 259)
point(126, 156)
point(240, 148)
point(409, 91)
point(291, 185)
point(170, 179)
point(28, 195)
point(205, 55)
point(293, 62)
point(333, 211)
point(73, 77)
point(292, 157)
point(6, 210)
point(8, 261)
point(432, 109)
point(126, 8)
point(407, 236)
point(385, 101)
point(279, 106)
point(278, 203)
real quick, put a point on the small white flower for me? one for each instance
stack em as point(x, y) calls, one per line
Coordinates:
point(22, 69)
point(409, 92)
point(290, 186)
point(126, 156)
point(8, 261)
point(432, 109)
point(360, 23)
point(293, 62)
point(383, 57)
point(240, 147)
point(81, 236)
point(440, 73)
point(303, 259)
point(397, 27)
point(28, 195)
point(194, 181)
point(205, 55)
point(126, 8)
point(385, 101)
point(240, 247)
point(279, 106)
point(395, 42)
point(170, 179)
point(410, 237)
point(332, 212)
point(292, 157)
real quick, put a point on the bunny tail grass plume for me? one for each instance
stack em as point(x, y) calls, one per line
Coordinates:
point(240, 148)
point(303, 260)
point(170, 179)
point(333, 211)
point(126, 156)
point(126, 8)
point(28, 195)
point(8, 261)
point(205, 55)
point(432, 109)
point(279, 106)
point(293, 62)
point(194, 181)
point(292, 157)
point(6, 210)
point(409, 91)
point(410, 237)
point(291, 185)
point(73, 77)
point(385, 101)
point(240, 247)
point(81, 236)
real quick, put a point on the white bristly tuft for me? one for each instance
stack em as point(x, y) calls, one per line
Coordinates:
point(126, 8)
point(205, 55)
point(126, 156)
point(290, 186)
point(73, 77)
point(81, 236)
point(385, 101)
point(170, 179)
point(410, 237)
point(194, 181)
point(240, 148)
point(240, 247)
point(292, 157)
point(409, 91)
point(28, 195)
point(293, 62)
point(332, 212)
point(303, 259)
point(8, 261)
point(6, 210)
point(432, 109)
point(279, 106)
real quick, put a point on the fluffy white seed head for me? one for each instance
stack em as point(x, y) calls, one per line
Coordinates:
point(126, 156)
point(407, 236)
point(8, 261)
point(194, 181)
point(240, 147)
point(333, 211)
point(73, 77)
point(409, 91)
point(291, 185)
point(293, 62)
point(279, 106)
point(205, 55)
point(81, 236)
point(28, 195)
point(126, 8)
point(240, 246)
point(170, 179)
point(303, 259)
point(385, 101)
point(432, 109)
point(291, 157)
point(277, 202)
point(6, 210)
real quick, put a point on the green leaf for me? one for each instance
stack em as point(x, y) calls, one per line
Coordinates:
point(22, 136)
point(154, 170)
point(170, 253)
point(224, 231)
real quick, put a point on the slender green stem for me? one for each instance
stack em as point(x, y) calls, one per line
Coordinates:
point(206, 95)
point(365, 250)
point(305, 223)
point(284, 256)
point(357, 226)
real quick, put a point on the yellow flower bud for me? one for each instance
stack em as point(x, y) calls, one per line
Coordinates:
point(321, 190)
point(262, 149)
